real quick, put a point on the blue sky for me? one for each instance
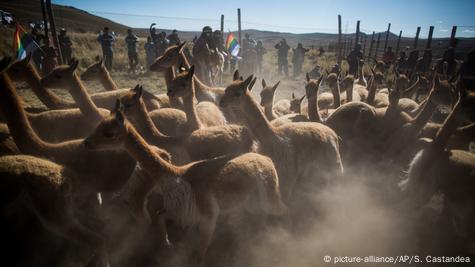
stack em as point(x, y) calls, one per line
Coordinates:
point(298, 16)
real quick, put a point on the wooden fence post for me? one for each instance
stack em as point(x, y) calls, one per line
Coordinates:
point(54, 34)
point(357, 33)
point(239, 26)
point(416, 40)
point(453, 40)
point(222, 24)
point(398, 43)
point(371, 45)
point(387, 37)
point(429, 38)
point(339, 41)
point(377, 47)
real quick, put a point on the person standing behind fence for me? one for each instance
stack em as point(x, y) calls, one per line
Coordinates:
point(107, 41)
point(260, 50)
point(389, 57)
point(150, 51)
point(282, 53)
point(353, 59)
point(132, 41)
point(66, 46)
point(173, 38)
point(162, 43)
point(298, 58)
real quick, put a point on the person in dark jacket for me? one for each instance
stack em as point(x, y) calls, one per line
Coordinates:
point(66, 46)
point(173, 38)
point(298, 58)
point(131, 40)
point(107, 40)
point(282, 54)
point(353, 59)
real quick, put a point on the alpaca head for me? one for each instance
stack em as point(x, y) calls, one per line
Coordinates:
point(61, 76)
point(312, 86)
point(18, 70)
point(296, 103)
point(132, 101)
point(93, 71)
point(378, 78)
point(402, 82)
point(333, 80)
point(235, 93)
point(110, 133)
point(267, 93)
point(443, 92)
point(170, 58)
point(181, 85)
point(347, 83)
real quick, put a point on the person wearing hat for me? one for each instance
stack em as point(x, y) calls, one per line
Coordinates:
point(131, 40)
point(298, 58)
point(66, 46)
point(353, 58)
point(173, 38)
point(107, 40)
point(282, 54)
point(201, 52)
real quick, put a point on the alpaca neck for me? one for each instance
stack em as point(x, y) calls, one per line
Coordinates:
point(148, 130)
point(204, 92)
point(106, 80)
point(148, 159)
point(360, 72)
point(371, 92)
point(48, 98)
point(313, 111)
point(193, 123)
point(269, 111)
point(256, 120)
point(448, 128)
point(25, 137)
point(336, 96)
point(426, 113)
point(349, 93)
point(169, 76)
point(84, 101)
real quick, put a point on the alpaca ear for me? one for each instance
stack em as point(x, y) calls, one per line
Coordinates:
point(328, 73)
point(138, 92)
point(236, 75)
point(308, 77)
point(320, 80)
point(293, 95)
point(117, 107)
point(252, 83)
point(301, 99)
point(275, 86)
point(248, 81)
point(101, 62)
point(119, 117)
point(264, 84)
point(73, 65)
point(181, 46)
point(191, 71)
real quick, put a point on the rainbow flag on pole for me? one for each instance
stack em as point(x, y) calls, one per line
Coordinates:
point(23, 43)
point(232, 45)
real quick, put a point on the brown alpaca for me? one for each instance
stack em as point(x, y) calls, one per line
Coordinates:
point(101, 172)
point(68, 124)
point(198, 144)
point(375, 98)
point(450, 172)
point(98, 71)
point(296, 104)
point(203, 114)
point(352, 93)
point(311, 91)
point(50, 191)
point(174, 57)
point(271, 110)
point(330, 100)
point(410, 131)
point(196, 193)
point(304, 153)
point(23, 70)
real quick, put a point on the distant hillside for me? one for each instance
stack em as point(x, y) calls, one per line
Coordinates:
point(65, 16)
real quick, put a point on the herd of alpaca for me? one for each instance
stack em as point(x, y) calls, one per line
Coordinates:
point(198, 159)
